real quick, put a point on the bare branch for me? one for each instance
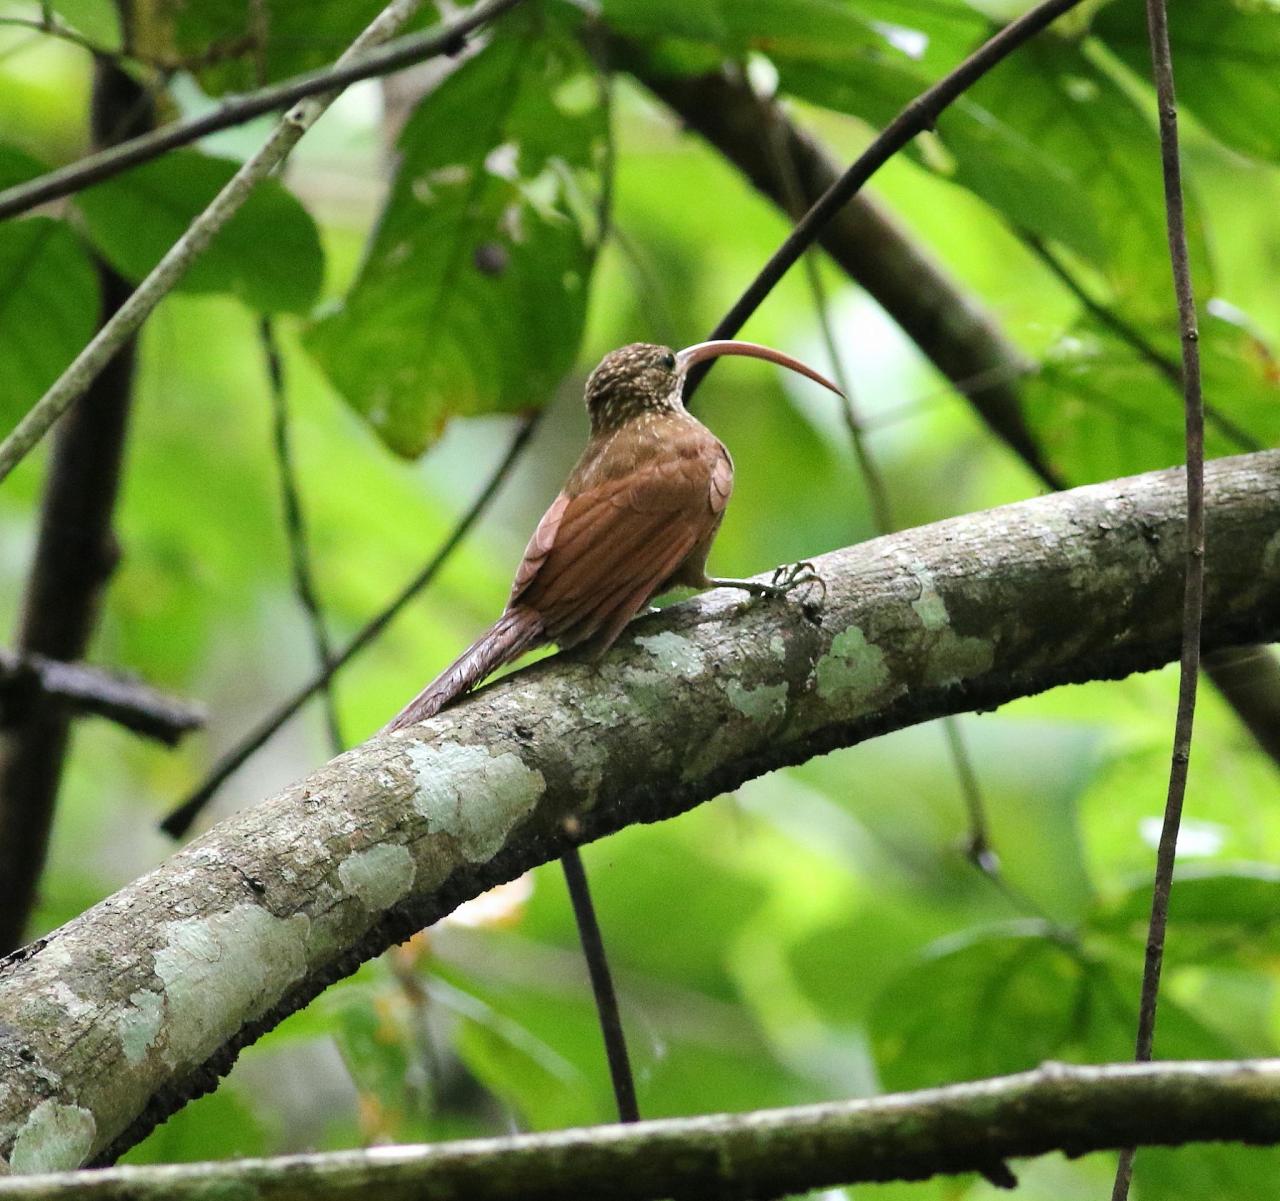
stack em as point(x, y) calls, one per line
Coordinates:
point(171, 268)
point(1193, 587)
point(295, 527)
point(753, 1156)
point(111, 1023)
point(89, 689)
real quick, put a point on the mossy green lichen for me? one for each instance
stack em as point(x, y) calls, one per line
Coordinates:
point(853, 671)
point(759, 704)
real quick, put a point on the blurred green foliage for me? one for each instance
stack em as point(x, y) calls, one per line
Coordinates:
point(820, 933)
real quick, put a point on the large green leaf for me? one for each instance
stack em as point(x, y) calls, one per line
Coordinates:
point(268, 254)
point(1226, 56)
point(1215, 914)
point(1101, 409)
point(48, 299)
point(473, 293)
point(1049, 140)
point(1006, 999)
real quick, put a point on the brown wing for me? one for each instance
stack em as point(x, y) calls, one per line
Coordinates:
point(609, 548)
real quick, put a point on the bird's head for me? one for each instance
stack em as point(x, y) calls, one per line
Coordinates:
point(645, 378)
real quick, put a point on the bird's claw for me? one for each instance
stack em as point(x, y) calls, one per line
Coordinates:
point(791, 576)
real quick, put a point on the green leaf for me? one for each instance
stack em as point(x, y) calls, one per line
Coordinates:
point(98, 20)
point(242, 46)
point(995, 1002)
point(1046, 138)
point(473, 294)
point(815, 29)
point(1101, 409)
point(1215, 914)
point(48, 309)
point(268, 255)
point(1226, 56)
point(1002, 1000)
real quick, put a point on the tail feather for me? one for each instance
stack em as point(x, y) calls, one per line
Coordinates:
point(515, 632)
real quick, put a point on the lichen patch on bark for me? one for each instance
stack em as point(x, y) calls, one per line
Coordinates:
point(379, 876)
point(55, 1137)
point(220, 971)
point(475, 797)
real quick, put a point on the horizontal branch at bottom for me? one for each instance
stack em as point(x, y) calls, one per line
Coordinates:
point(971, 1127)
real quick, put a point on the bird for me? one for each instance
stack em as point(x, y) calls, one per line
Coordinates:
point(635, 518)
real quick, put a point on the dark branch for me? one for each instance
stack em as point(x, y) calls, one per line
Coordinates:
point(88, 689)
point(1193, 585)
point(295, 528)
point(962, 615)
point(75, 555)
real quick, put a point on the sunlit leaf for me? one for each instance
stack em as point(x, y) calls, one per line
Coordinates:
point(1046, 138)
point(268, 254)
point(1226, 58)
point(473, 293)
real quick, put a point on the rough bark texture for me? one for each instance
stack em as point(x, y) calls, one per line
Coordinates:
point(753, 1156)
point(113, 1021)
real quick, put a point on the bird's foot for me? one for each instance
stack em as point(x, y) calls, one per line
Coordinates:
point(785, 580)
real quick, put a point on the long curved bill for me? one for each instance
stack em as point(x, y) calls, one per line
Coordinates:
point(703, 351)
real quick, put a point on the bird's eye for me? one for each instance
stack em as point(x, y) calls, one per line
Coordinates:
point(669, 361)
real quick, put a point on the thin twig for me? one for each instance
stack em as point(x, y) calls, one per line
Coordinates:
point(917, 117)
point(1193, 595)
point(178, 822)
point(296, 527)
point(606, 998)
point(237, 110)
point(979, 850)
point(171, 268)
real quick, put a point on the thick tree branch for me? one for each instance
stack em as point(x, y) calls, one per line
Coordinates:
point(89, 689)
point(75, 554)
point(753, 1156)
point(118, 1018)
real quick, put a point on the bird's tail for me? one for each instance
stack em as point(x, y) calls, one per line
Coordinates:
point(508, 638)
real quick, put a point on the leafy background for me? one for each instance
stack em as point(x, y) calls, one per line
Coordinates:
point(819, 933)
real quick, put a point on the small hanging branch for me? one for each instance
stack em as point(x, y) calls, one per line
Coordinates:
point(1193, 589)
